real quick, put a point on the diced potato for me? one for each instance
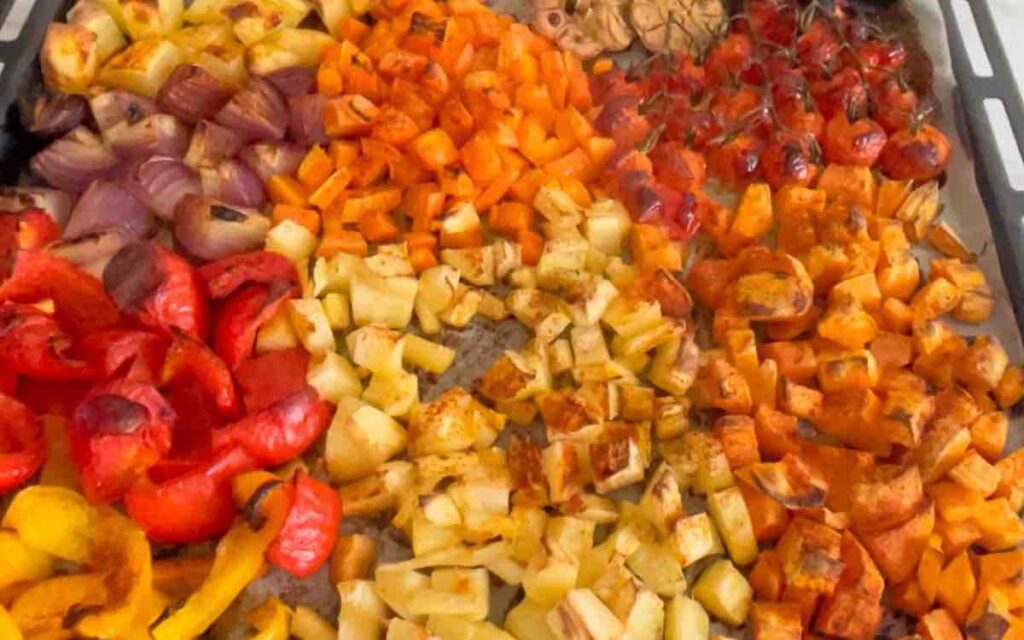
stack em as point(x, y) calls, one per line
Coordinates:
point(548, 579)
point(393, 392)
point(662, 501)
point(657, 566)
point(93, 16)
point(452, 422)
point(147, 18)
point(723, 591)
point(285, 49)
point(685, 619)
point(464, 593)
point(311, 325)
point(582, 615)
point(70, 57)
point(276, 333)
point(205, 11)
point(606, 226)
point(437, 287)
point(646, 619)
point(251, 26)
point(729, 512)
point(427, 355)
point(142, 67)
point(396, 588)
point(353, 558)
point(399, 629)
point(462, 308)
point(695, 538)
point(308, 625)
point(476, 265)
point(362, 612)
point(291, 240)
point(359, 439)
point(376, 348)
point(527, 621)
point(557, 206)
point(378, 300)
point(339, 313)
point(333, 377)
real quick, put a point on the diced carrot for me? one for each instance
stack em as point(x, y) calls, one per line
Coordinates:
point(532, 245)
point(315, 168)
point(330, 190)
point(395, 126)
point(349, 115)
point(526, 187)
point(575, 164)
point(342, 241)
point(553, 73)
point(373, 148)
point(511, 160)
point(284, 189)
point(456, 120)
point(378, 226)
point(535, 99)
point(420, 239)
point(509, 218)
point(572, 125)
point(308, 218)
point(422, 258)
point(423, 203)
point(359, 204)
point(457, 184)
point(407, 172)
point(328, 81)
point(434, 149)
point(603, 65)
point(576, 190)
point(343, 153)
point(488, 29)
point(599, 149)
point(496, 190)
point(353, 29)
point(367, 171)
point(360, 78)
point(480, 159)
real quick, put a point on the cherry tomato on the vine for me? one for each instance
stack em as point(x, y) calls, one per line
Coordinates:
point(859, 142)
point(921, 155)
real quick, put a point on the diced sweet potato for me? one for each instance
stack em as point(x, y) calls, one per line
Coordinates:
point(849, 370)
point(974, 472)
point(1010, 389)
point(957, 587)
point(766, 577)
point(840, 467)
point(810, 556)
point(983, 363)
point(892, 350)
point(938, 625)
point(738, 439)
point(897, 551)
point(791, 482)
point(798, 400)
point(886, 498)
point(847, 323)
point(854, 418)
point(904, 416)
point(768, 517)
point(776, 621)
point(796, 360)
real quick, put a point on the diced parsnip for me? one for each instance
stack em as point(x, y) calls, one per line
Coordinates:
point(142, 67)
point(646, 619)
point(560, 357)
point(657, 566)
point(606, 226)
point(291, 240)
point(437, 287)
point(526, 621)
point(286, 48)
point(308, 625)
point(341, 268)
point(359, 439)
point(396, 588)
point(333, 377)
point(378, 300)
point(548, 579)
point(276, 333)
point(339, 313)
point(685, 619)
point(464, 593)
point(581, 614)
point(69, 57)
point(453, 628)
point(723, 591)
point(91, 15)
point(376, 348)
point(399, 629)
point(393, 392)
point(729, 512)
point(427, 355)
point(695, 538)
point(362, 613)
point(149, 18)
point(311, 325)
point(475, 265)
point(353, 558)
point(313, 276)
point(492, 307)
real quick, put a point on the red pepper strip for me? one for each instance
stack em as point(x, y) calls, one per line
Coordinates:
point(137, 352)
point(180, 300)
point(33, 344)
point(22, 450)
point(198, 417)
point(280, 432)
point(189, 360)
point(82, 304)
point(195, 504)
point(311, 529)
point(8, 382)
point(8, 244)
point(270, 377)
point(118, 432)
point(36, 229)
point(238, 318)
point(226, 275)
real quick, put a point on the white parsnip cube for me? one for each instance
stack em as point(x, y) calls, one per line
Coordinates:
point(393, 392)
point(142, 67)
point(396, 587)
point(376, 348)
point(723, 591)
point(379, 300)
point(333, 377)
point(695, 538)
point(339, 313)
point(360, 438)
point(362, 613)
point(582, 615)
point(685, 619)
point(276, 334)
point(427, 355)
point(311, 325)
point(291, 240)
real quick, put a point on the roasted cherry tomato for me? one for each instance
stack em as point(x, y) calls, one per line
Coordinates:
point(226, 275)
point(678, 167)
point(770, 20)
point(22, 448)
point(310, 530)
point(921, 155)
point(280, 432)
point(853, 143)
point(802, 118)
point(895, 105)
point(268, 378)
point(82, 306)
point(693, 127)
point(791, 158)
point(844, 92)
point(880, 58)
point(729, 57)
point(817, 48)
point(33, 344)
point(190, 502)
point(117, 433)
point(737, 162)
point(620, 119)
point(239, 317)
point(743, 106)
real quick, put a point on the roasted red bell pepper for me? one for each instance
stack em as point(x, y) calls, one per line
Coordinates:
point(135, 354)
point(30, 229)
point(118, 432)
point(191, 361)
point(280, 432)
point(158, 288)
point(198, 417)
point(82, 306)
point(22, 449)
point(189, 502)
point(273, 376)
point(238, 318)
point(33, 344)
point(227, 275)
point(311, 529)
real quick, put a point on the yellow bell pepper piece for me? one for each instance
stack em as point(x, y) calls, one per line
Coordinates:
point(8, 629)
point(122, 547)
point(238, 561)
point(20, 563)
point(44, 606)
point(272, 620)
point(54, 520)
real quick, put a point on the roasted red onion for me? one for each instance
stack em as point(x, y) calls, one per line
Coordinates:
point(306, 120)
point(54, 115)
point(160, 134)
point(71, 163)
point(161, 182)
point(232, 182)
point(91, 252)
point(257, 111)
point(54, 202)
point(106, 205)
point(210, 229)
point(191, 93)
point(212, 143)
point(293, 81)
point(117, 106)
point(268, 159)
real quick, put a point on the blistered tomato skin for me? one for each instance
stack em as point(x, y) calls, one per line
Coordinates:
point(918, 156)
point(859, 142)
point(791, 159)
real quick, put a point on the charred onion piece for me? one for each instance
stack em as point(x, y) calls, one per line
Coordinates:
point(210, 229)
point(192, 93)
point(72, 163)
